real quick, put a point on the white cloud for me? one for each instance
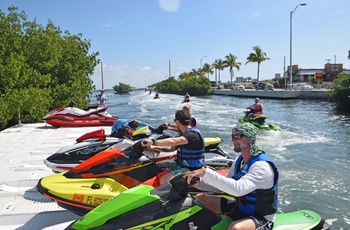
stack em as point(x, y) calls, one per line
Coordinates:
point(135, 76)
point(256, 15)
point(169, 5)
point(340, 12)
point(107, 24)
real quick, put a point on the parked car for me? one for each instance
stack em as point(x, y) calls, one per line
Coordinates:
point(237, 86)
point(265, 86)
point(303, 87)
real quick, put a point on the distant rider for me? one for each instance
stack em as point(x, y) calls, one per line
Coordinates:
point(187, 97)
point(102, 99)
point(255, 109)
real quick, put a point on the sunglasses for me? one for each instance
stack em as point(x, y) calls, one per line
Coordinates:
point(175, 120)
point(236, 136)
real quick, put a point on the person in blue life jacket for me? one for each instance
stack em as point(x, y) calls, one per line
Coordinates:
point(121, 127)
point(189, 145)
point(252, 180)
point(156, 96)
point(101, 98)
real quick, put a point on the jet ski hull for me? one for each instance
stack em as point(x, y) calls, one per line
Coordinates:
point(75, 117)
point(260, 124)
point(69, 157)
point(145, 207)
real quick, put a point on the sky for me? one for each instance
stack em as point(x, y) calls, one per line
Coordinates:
point(141, 42)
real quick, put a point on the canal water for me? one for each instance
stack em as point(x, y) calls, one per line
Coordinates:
point(311, 149)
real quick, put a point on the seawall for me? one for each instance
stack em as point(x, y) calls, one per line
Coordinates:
point(276, 94)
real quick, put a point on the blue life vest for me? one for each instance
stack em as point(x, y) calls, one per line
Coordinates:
point(119, 124)
point(102, 99)
point(189, 158)
point(260, 201)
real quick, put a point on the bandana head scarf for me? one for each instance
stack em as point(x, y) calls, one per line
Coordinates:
point(250, 131)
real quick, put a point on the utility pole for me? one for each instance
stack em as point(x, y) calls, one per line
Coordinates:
point(102, 75)
point(284, 73)
point(169, 69)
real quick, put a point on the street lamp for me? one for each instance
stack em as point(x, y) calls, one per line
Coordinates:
point(290, 66)
point(201, 61)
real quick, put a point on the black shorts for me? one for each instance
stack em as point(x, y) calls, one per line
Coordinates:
point(229, 208)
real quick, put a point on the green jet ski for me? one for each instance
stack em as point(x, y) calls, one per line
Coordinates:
point(258, 121)
point(171, 206)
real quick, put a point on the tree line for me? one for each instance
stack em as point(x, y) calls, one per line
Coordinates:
point(196, 81)
point(257, 56)
point(41, 67)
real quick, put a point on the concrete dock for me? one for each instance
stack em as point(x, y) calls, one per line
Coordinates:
point(23, 149)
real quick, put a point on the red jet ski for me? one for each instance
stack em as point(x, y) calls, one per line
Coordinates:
point(75, 117)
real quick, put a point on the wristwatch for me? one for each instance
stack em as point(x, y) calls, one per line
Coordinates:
point(153, 142)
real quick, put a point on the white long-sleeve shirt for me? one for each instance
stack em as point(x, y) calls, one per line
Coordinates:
point(259, 176)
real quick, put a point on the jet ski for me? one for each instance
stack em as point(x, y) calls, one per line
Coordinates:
point(75, 117)
point(104, 176)
point(94, 142)
point(258, 121)
point(171, 206)
point(90, 144)
point(156, 96)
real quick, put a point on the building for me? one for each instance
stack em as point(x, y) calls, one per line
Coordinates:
point(329, 72)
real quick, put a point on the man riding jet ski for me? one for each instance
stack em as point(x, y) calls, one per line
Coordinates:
point(95, 142)
point(255, 116)
point(172, 206)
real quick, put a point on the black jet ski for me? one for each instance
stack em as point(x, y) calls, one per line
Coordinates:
point(94, 142)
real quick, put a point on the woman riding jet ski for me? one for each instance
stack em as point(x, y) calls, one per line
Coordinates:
point(95, 142)
point(171, 207)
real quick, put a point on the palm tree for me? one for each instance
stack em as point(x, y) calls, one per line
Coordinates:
point(231, 62)
point(208, 69)
point(258, 57)
point(219, 65)
point(194, 73)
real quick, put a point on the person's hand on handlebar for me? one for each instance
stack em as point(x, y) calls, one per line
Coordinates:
point(195, 173)
point(146, 142)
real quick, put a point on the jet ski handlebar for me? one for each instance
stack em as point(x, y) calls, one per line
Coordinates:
point(179, 183)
